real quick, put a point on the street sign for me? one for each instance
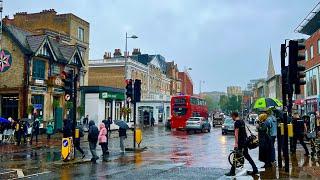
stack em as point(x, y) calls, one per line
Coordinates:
point(37, 106)
point(67, 97)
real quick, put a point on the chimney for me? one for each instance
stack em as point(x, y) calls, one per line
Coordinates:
point(136, 51)
point(117, 53)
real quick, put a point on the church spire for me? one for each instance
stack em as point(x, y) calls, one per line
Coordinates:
point(271, 71)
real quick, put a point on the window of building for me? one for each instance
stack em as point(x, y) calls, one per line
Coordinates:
point(44, 51)
point(81, 34)
point(38, 103)
point(306, 55)
point(38, 69)
point(55, 69)
point(311, 79)
point(118, 111)
point(108, 109)
point(311, 52)
point(318, 46)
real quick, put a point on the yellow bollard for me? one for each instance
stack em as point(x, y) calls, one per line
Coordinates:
point(76, 135)
point(290, 130)
point(138, 136)
point(281, 129)
point(65, 149)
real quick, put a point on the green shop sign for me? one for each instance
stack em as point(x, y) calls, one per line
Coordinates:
point(112, 95)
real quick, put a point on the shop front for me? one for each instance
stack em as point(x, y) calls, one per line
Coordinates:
point(312, 105)
point(103, 102)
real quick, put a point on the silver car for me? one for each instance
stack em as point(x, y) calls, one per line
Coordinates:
point(198, 123)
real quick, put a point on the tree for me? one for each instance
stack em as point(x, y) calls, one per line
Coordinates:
point(210, 103)
point(229, 104)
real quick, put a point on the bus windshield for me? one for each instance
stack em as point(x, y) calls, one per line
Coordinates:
point(180, 111)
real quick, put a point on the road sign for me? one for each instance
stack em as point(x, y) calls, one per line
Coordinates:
point(67, 97)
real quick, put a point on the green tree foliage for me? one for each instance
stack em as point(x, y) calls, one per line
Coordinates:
point(210, 103)
point(229, 104)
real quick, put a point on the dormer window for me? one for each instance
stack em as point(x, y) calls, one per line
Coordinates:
point(44, 51)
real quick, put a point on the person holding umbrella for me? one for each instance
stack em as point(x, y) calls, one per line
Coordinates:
point(123, 126)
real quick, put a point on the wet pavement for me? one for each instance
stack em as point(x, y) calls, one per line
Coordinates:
point(169, 155)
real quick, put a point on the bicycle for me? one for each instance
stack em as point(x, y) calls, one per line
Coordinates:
point(236, 158)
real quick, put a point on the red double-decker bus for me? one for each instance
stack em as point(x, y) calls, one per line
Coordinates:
point(184, 107)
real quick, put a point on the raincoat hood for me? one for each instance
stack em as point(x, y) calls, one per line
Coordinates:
point(101, 126)
point(91, 123)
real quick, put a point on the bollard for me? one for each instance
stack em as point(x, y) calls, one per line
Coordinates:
point(281, 129)
point(138, 136)
point(290, 130)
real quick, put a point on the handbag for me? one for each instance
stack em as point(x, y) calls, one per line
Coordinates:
point(252, 141)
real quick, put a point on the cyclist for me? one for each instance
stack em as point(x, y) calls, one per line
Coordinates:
point(240, 138)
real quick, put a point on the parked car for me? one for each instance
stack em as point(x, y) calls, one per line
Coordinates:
point(168, 123)
point(198, 123)
point(227, 126)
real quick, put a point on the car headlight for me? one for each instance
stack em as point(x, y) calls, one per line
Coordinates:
point(223, 126)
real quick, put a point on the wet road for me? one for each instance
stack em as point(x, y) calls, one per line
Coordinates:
point(169, 155)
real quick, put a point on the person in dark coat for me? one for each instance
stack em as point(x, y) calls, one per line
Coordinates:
point(299, 130)
point(77, 141)
point(67, 128)
point(93, 140)
point(35, 130)
point(25, 125)
point(18, 131)
point(265, 141)
point(123, 136)
point(152, 121)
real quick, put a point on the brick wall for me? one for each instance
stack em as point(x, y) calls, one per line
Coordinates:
point(186, 84)
point(107, 76)
point(313, 40)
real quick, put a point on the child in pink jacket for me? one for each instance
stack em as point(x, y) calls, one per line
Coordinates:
point(102, 139)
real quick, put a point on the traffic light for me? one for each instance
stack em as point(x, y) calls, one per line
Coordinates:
point(296, 70)
point(67, 78)
point(129, 90)
point(137, 90)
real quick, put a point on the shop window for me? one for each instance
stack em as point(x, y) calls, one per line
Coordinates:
point(108, 109)
point(118, 111)
point(311, 52)
point(311, 79)
point(38, 69)
point(38, 102)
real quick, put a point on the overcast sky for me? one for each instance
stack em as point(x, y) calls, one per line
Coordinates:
point(225, 42)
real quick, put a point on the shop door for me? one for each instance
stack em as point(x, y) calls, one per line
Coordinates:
point(58, 118)
point(9, 106)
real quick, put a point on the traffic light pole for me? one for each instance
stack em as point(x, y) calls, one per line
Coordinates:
point(284, 73)
point(134, 124)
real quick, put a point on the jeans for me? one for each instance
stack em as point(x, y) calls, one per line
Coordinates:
point(93, 147)
point(246, 155)
point(273, 153)
point(77, 146)
point(122, 143)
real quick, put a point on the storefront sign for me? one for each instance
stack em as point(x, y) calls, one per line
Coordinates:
point(5, 60)
point(37, 106)
point(58, 91)
point(38, 90)
point(112, 95)
point(39, 81)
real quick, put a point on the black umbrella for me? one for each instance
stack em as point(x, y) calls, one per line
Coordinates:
point(122, 124)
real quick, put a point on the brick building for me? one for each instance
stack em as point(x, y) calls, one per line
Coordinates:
point(186, 83)
point(150, 69)
point(71, 30)
point(310, 26)
point(173, 74)
point(30, 77)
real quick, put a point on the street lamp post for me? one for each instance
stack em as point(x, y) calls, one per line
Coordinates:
point(201, 82)
point(126, 54)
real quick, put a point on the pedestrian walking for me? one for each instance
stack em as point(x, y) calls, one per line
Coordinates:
point(239, 145)
point(18, 131)
point(152, 121)
point(107, 123)
point(102, 139)
point(85, 120)
point(35, 130)
point(272, 130)
point(77, 141)
point(25, 125)
point(122, 136)
point(93, 139)
point(265, 142)
point(299, 130)
point(49, 131)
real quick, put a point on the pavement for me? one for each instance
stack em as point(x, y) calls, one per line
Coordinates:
point(169, 155)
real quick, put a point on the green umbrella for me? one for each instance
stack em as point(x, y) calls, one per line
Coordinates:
point(264, 103)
